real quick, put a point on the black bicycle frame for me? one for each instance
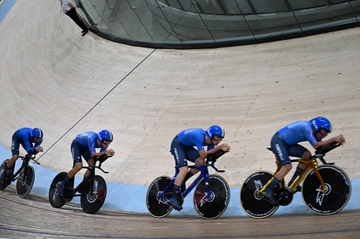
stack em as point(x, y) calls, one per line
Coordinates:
point(25, 163)
point(91, 177)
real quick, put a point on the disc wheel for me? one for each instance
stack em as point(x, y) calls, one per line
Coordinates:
point(254, 204)
point(2, 168)
point(156, 205)
point(54, 197)
point(9, 175)
point(93, 200)
point(25, 181)
point(213, 205)
point(336, 195)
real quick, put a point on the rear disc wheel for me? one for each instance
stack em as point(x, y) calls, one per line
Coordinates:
point(252, 202)
point(156, 204)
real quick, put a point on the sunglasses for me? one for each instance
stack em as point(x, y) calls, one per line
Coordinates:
point(106, 142)
point(218, 139)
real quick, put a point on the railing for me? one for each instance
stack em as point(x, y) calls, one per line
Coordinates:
point(198, 24)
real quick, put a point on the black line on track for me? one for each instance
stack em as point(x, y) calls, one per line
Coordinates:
point(91, 109)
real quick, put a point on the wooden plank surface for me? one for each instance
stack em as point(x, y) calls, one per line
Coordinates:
point(71, 222)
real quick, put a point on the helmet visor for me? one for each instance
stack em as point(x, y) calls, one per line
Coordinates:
point(217, 138)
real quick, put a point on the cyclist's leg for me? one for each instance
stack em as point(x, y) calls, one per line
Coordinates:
point(188, 175)
point(11, 161)
point(298, 151)
point(192, 171)
point(15, 145)
point(194, 156)
point(90, 162)
point(280, 149)
point(174, 202)
point(198, 161)
point(76, 152)
point(178, 150)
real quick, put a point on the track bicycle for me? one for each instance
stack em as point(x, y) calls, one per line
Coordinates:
point(92, 189)
point(326, 189)
point(24, 176)
point(211, 196)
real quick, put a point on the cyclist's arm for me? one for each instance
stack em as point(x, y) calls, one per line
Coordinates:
point(31, 150)
point(95, 154)
point(107, 152)
point(224, 147)
point(316, 143)
point(340, 139)
point(38, 144)
point(93, 150)
point(204, 154)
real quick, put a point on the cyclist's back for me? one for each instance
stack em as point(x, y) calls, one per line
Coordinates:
point(296, 132)
point(194, 137)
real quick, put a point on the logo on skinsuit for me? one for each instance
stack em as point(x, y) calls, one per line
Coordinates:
point(279, 152)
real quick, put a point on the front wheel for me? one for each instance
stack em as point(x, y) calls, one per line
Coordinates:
point(92, 200)
point(8, 177)
point(334, 197)
point(54, 195)
point(25, 181)
point(213, 204)
point(254, 204)
point(156, 198)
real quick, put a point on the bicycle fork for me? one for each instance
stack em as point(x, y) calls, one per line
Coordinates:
point(209, 196)
point(88, 179)
point(91, 177)
point(310, 164)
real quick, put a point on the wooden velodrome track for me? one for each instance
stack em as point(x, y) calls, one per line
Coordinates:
point(53, 78)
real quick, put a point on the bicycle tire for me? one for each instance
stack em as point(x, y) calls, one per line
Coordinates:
point(55, 199)
point(25, 181)
point(91, 202)
point(215, 206)
point(256, 206)
point(158, 207)
point(334, 198)
point(2, 167)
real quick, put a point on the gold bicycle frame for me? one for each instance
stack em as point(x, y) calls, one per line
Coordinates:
point(310, 164)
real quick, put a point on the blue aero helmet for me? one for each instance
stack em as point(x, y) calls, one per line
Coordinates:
point(215, 130)
point(320, 122)
point(105, 135)
point(37, 133)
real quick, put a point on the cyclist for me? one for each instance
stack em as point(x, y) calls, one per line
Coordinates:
point(285, 143)
point(30, 139)
point(85, 145)
point(182, 148)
